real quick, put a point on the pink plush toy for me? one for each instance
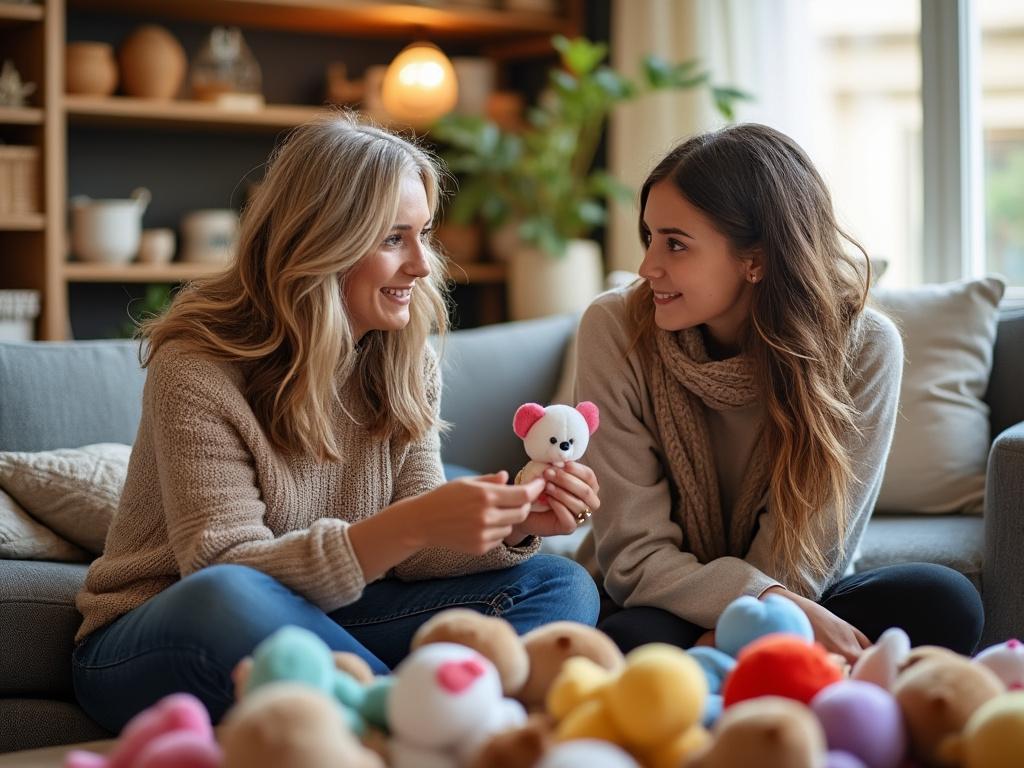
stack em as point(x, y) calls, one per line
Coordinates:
point(552, 436)
point(173, 733)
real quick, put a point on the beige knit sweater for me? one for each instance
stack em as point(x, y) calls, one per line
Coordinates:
point(205, 486)
point(635, 547)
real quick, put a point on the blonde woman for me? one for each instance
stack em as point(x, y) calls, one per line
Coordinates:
point(287, 469)
point(748, 401)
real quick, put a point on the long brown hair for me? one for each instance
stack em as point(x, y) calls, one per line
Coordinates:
point(329, 197)
point(762, 191)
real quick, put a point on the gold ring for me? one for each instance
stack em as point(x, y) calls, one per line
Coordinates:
point(583, 516)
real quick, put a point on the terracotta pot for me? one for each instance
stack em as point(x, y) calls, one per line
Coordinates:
point(152, 63)
point(461, 243)
point(90, 69)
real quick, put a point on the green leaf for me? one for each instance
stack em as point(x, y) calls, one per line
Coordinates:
point(657, 71)
point(580, 56)
point(725, 97)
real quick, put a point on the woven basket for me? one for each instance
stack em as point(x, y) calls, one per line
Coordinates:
point(19, 180)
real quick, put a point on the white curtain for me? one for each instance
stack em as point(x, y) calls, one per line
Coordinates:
point(763, 47)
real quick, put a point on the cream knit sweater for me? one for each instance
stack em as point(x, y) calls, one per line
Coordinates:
point(635, 549)
point(205, 486)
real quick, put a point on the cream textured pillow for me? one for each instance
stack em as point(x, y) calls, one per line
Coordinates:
point(22, 538)
point(73, 491)
point(939, 452)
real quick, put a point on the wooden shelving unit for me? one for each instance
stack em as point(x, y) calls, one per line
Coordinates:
point(351, 18)
point(26, 222)
point(123, 110)
point(19, 13)
point(176, 272)
point(21, 116)
point(33, 248)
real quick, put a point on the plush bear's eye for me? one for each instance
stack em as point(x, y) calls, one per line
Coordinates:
point(572, 440)
point(554, 440)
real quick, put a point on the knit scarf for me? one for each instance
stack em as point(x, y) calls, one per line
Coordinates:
point(685, 381)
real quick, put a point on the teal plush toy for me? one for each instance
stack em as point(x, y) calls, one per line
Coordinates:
point(746, 619)
point(294, 654)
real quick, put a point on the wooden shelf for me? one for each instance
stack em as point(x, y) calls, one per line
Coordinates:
point(175, 272)
point(21, 116)
point(19, 13)
point(23, 222)
point(476, 274)
point(124, 110)
point(432, 18)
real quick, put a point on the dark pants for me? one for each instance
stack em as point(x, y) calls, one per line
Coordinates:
point(933, 604)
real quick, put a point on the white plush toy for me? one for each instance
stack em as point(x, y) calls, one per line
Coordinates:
point(552, 436)
point(587, 752)
point(1007, 661)
point(445, 703)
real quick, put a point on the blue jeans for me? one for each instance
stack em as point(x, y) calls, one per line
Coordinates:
point(190, 636)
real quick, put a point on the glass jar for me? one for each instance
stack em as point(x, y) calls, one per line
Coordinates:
point(224, 69)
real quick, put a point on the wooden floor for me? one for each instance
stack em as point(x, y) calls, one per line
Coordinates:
point(51, 757)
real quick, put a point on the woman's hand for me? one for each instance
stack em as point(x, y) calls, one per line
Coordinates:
point(572, 496)
point(471, 515)
point(838, 636)
point(475, 514)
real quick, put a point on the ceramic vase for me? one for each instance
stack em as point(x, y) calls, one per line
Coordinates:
point(90, 69)
point(152, 63)
point(541, 284)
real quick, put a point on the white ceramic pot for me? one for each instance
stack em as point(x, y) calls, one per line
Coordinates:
point(540, 284)
point(107, 230)
point(209, 236)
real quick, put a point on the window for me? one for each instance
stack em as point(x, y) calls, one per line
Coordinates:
point(866, 106)
point(1001, 75)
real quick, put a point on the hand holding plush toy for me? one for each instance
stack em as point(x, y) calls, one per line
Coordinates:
point(553, 436)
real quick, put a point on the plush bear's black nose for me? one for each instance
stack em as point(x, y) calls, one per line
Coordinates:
point(564, 445)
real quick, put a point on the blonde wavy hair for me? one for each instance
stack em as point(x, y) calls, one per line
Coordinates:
point(762, 191)
point(330, 196)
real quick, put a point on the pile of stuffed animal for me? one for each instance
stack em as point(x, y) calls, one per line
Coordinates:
point(472, 694)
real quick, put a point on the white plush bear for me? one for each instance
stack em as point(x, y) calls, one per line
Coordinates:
point(553, 436)
point(446, 702)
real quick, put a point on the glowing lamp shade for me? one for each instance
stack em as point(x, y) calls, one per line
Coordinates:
point(419, 85)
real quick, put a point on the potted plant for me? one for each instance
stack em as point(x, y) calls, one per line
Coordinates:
point(539, 184)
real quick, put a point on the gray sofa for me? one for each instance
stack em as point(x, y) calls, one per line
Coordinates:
point(65, 395)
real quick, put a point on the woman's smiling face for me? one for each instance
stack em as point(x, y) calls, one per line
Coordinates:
point(378, 290)
point(692, 268)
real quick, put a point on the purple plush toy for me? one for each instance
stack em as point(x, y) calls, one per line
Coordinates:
point(851, 709)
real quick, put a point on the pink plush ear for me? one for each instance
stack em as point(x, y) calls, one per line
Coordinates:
point(526, 416)
point(591, 413)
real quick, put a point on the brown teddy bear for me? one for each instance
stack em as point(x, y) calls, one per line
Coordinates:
point(291, 725)
point(938, 692)
point(769, 732)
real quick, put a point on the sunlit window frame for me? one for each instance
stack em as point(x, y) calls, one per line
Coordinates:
point(952, 143)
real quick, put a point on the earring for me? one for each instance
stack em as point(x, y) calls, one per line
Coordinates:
point(753, 278)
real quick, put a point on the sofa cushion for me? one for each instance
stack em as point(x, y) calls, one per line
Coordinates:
point(24, 538)
point(957, 541)
point(64, 394)
point(939, 450)
point(38, 621)
point(1003, 395)
point(73, 491)
point(488, 372)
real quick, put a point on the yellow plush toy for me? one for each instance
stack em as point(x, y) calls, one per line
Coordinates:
point(652, 707)
point(993, 737)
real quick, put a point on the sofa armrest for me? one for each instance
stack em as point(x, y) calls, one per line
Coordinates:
point(1003, 571)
